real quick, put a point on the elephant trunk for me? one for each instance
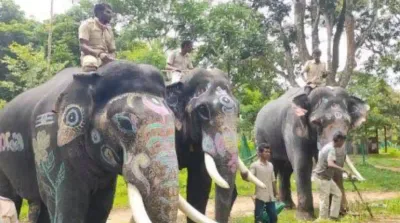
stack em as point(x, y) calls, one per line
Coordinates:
point(223, 196)
point(221, 161)
point(151, 170)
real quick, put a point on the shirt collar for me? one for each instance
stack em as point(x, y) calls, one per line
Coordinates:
point(99, 24)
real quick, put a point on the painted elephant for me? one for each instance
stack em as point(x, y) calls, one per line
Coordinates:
point(64, 142)
point(296, 126)
point(206, 115)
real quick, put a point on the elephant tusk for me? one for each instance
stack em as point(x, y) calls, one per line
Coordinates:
point(136, 202)
point(213, 172)
point(192, 213)
point(353, 169)
point(250, 176)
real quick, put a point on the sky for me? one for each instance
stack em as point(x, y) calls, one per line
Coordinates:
point(40, 10)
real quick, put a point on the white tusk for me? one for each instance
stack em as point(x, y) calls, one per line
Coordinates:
point(192, 213)
point(213, 172)
point(137, 206)
point(250, 176)
point(353, 169)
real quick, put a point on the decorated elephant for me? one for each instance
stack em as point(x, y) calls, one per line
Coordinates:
point(64, 142)
point(206, 116)
point(297, 125)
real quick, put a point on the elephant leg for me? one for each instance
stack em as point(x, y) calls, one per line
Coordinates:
point(285, 171)
point(43, 215)
point(303, 169)
point(35, 208)
point(101, 203)
point(67, 200)
point(198, 188)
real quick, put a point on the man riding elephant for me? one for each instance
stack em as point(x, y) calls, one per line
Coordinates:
point(64, 142)
point(206, 138)
point(297, 125)
point(96, 39)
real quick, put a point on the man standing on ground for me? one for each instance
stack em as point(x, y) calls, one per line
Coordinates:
point(315, 70)
point(179, 62)
point(324, 172)
point(265, 198)
point(96, 39)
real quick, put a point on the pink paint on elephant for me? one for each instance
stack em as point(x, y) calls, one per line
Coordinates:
point(156, 106)
point(219, 144)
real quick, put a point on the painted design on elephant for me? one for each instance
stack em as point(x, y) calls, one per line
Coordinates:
point(126, 122)
point(46, 166)
point(139, 161)
point(13, 144)
point(44, 119)
point(219, 144)
point(155, 105)
point(338, 115)
point(208, 144)
point(95, 136)
point(73, 116)
point(40, 145)
point(233, 162)
point(71, 124)
point(109, 155)
point(160, 135)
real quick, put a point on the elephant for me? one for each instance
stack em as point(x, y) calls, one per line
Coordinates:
point(206, 116)
point(296, 126)
point(64, 143)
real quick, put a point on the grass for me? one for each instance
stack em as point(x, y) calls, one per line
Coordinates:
point(379, 209)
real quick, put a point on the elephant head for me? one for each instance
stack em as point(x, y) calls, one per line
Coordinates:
point(206, 121)
point(127, 128)
point(327, 110)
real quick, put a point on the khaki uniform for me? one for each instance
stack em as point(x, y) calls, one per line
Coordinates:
point(176, 59)
point(8, 212)
point(323, 176)
point(314, 73)
point(265, 173)
point(100, 37)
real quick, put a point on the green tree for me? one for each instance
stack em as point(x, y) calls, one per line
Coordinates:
point(27, 70)
point(142, 52)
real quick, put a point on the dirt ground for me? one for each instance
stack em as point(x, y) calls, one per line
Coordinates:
point(244, 206)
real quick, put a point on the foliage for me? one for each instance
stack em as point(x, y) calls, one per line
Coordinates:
point(382, 99)
point(251, 101)
point(27, 70)
point(141, 52)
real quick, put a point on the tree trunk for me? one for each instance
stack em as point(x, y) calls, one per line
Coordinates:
point(384, 128)
point(299, 12)
point(315, 16)
point(49, 41)
point(351, 45)
point(336, 43)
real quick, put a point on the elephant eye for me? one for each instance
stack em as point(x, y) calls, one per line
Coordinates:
point(125, 123)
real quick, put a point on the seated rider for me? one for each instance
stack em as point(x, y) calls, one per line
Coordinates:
point(179, 61)
point(96, 39)
point(315, 72)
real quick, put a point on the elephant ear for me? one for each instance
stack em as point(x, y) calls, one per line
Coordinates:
point(175, 100)
point(301, 105)
point(358, 110)
point(74, 107)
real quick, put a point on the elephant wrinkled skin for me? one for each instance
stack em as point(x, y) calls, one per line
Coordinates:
point(296, 125)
